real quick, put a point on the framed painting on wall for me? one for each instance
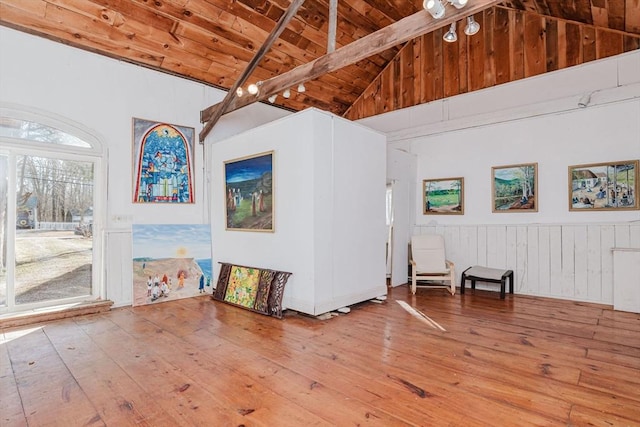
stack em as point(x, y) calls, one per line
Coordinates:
point(162, 162)
point(443, 196)
point(514, 188)
point(249, 193)
point(604, 186)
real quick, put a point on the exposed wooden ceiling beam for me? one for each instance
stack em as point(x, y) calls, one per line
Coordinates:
point(219, 110)
point(399, 32)
point(333, 25)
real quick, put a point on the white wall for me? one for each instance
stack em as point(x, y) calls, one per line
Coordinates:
point(289, 247)
point(359, 231)
point(328, 209)
point(101, 96)
point(531, 120)
point(600, 133)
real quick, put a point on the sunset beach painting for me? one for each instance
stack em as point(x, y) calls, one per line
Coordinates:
point(170, 261)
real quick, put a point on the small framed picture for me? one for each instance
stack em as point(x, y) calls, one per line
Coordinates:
point(443, 196)
point(515, 188)
point(604, 186)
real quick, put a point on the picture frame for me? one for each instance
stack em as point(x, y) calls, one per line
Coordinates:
point(170, 261)
point(443, 196)
point(163, 158)
point(256, 289)
point(607, 186)
point(514, 188)
point(249, 193)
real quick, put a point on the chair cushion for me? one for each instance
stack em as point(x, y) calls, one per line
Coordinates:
point(427, 251)
point(485, 272)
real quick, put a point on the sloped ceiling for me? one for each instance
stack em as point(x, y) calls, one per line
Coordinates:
point(212, 41)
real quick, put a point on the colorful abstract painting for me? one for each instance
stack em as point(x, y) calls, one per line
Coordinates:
point(256, 289)
point(243, 286)
point(163, 162)
point(170, 261)
point(249, 193)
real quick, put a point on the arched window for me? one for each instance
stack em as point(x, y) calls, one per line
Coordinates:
point(50, 192)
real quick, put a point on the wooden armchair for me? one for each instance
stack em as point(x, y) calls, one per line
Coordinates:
point(428, 264)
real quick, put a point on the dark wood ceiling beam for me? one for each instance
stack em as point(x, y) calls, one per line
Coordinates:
point(314, 38)
point(397, 33)
point(255, 26)
point(351, 26)
point(333, 24)
point(273, 36)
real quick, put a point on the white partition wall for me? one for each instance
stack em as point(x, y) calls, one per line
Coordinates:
point(329, 209)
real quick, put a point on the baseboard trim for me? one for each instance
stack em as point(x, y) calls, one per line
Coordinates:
point(12, 320)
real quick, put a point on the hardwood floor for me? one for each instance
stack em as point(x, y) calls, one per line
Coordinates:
point(195, 362)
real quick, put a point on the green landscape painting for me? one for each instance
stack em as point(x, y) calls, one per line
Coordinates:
point(515, 188)
point(443, 196)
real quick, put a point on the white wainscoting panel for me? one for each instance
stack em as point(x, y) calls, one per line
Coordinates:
point(568, 261)
point(626, 279)
point(118, 265)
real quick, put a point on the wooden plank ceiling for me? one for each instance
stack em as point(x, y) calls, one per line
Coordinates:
point(212, 41)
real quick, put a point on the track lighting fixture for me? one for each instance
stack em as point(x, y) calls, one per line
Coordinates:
point(239, 92)
point(472, 26)
point(253, 89)
point(286, 93)
point(273, 98)
point(458, 4)
point(301, 88)
point(434, 7)
point(437, 9)
point(451, 36)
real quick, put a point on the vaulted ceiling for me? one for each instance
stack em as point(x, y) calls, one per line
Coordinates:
point(212, 41)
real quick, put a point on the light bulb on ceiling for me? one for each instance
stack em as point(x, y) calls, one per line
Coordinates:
point(301, 88)
point(239, 92)
point(451, 36)
point(273, 98)
point(472, 26)
point(458, 4)
point(286, 93)
point(434, 7)
point(253, 89)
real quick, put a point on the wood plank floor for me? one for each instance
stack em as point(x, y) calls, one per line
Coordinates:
point(196, 362)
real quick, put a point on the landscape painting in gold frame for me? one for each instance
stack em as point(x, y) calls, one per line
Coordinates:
point(604, 186)
point(514, 188)
point(443, 196)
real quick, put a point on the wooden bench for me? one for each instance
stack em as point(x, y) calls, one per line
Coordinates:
point(485, 274)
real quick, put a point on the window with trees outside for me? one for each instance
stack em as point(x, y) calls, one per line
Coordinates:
point(47, 198)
